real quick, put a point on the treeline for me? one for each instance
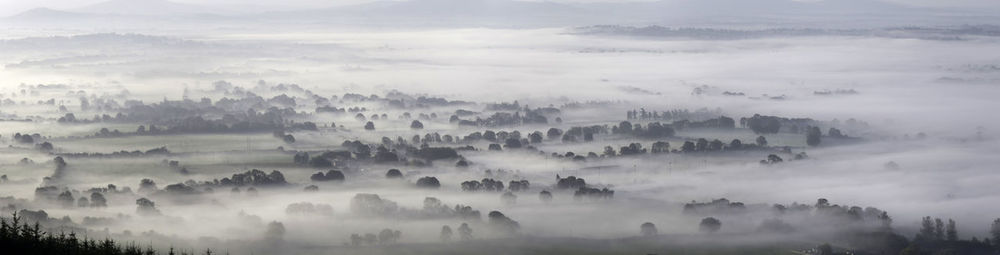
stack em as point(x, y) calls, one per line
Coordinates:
point(937, 236)
point(674, 114)
point(701, 145)
point(20, 237)
point(387, 153)
point(865, 230)
point(504, 117)
point(123, 153)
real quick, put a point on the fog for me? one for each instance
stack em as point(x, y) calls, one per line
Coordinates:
point(220, 113)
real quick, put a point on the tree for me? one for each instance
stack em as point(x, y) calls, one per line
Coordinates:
point(951, 232)
point(66, 199)
point(995, 231)
point(393, 174)
point(625, 127)
point(764, 124)
point(98, 200)
point(554, 133)
point(701, 144)
point(388, 236)
point(545, 196)
point(146, 207)
point(416, 125)
point(688, 147)
point(715, 145)
point(446, 234)
point(710, 225)
point(926, 229)
point(813, 136)
point(288, 139)
point(761, 141)
point(609, 151)
point(465, 232)
point(428, 182)
point(632, 149)
point(825, 249)
point(147, 186)
point(648, 229)
point(773, 159)
point(369, 126)
point(835, 133)
point(660, 147)
point(502, 224)
point(535, 137)
point(938, 229)
point(46, 146)
point(508, 198)
point(512, 143)
point(275, 231)
point(736, 144)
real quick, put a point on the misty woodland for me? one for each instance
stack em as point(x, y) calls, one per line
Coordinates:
point(500, 127)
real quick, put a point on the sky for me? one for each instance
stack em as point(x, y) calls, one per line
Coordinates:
point(12, 7)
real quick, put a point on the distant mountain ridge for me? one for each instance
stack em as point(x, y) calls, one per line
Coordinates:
point(500, 12)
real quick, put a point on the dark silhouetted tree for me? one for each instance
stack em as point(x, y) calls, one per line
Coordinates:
point(701, 144)
point(545, 196)
point(835, 133)
point(502, 224)
point(764, 124)
point(688, 147)
point(275, 231)
point(926, 232)
point(465, 232)
point(648, 229)
point(446, 234)
point(938, 229)
point(660, 147)
point(761, 141)
point(66, 199)
point(772, 159)
point(715, 145)
point(508, 198)
point(388, 236)
point(813, 136)
point(736, 144)
point(554, 133)
point(393, 174)
point(609, 151)
point(147, 186)
point(98, 200)
point(709, 225)
point(824, 249)
point(951, 232)
point(146, 207)
point(995, 231)
point(535, 137)
point(428, 182)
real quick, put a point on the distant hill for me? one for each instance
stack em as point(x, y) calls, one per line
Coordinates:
point(43, 14)
point(147, 8)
